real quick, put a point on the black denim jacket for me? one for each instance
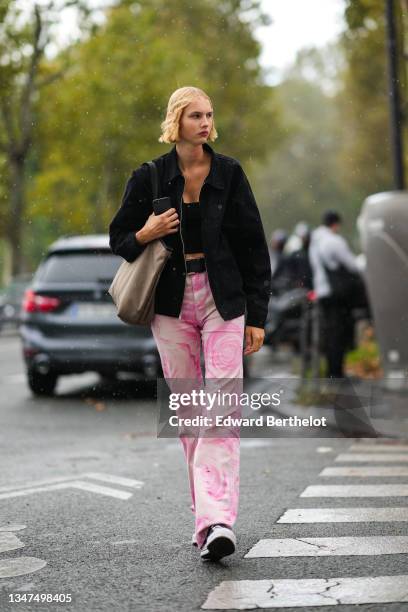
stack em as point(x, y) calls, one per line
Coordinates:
point(234, 244)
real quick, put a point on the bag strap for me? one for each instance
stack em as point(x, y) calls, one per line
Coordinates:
point(154, 179)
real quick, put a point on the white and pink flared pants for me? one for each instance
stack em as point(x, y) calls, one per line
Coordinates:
point(212, 462)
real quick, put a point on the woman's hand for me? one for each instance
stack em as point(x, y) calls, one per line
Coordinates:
point(157, 226)
point(254, 337)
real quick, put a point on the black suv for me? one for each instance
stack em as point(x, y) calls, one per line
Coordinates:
point(69, 322)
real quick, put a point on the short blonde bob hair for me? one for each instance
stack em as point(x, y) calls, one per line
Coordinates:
point(178, 101)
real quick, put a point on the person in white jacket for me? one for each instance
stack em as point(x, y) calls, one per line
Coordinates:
point(329, 250)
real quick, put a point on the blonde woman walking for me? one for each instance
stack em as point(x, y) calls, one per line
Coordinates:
point(213, 292)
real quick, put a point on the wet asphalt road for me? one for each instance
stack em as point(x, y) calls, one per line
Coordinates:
point(125, 544)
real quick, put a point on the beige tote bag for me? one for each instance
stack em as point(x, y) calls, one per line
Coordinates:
point(134, 286)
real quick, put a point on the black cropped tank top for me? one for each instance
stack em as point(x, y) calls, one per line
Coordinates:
point(191, 227)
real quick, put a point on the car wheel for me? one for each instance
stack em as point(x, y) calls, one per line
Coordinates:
point(41, 384)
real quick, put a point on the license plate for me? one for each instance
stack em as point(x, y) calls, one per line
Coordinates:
point(91, 311)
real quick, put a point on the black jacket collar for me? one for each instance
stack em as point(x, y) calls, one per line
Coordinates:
point(214, 177)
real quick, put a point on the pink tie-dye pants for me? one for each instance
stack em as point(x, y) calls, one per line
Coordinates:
point(212, 462)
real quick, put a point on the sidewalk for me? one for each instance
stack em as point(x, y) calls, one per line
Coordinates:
point(385, 416)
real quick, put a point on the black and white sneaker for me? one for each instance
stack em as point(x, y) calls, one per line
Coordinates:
point(220, 542)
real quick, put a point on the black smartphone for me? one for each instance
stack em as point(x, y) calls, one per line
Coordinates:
point(160, 205)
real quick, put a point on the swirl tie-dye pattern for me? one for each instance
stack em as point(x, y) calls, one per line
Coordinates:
point(212, 462)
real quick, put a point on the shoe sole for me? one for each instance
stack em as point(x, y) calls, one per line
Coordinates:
point(218, 548)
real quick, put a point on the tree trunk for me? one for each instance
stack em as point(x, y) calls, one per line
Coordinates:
point(6, 271)
point(17, 205)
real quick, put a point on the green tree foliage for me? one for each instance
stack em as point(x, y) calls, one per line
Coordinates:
point(364, 102)
point(337, 146)
point(301, 178)
point(25, 33)
point(21, 50)
point(104, 119)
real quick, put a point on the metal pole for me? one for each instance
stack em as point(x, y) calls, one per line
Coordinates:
point(394, 96)
point(315, 347)
point(303, 337)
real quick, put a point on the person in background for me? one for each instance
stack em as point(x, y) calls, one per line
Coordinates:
point(328, 252)
point(299, 269)
point(293, 269)
point(276, 245)
point(294, 241)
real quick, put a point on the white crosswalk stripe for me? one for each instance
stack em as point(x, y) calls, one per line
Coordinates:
point(380, 457)
point(384, 490)
point(364, 471)
point(343, 515)
point(305, 593)
point(324, 547)
point(375, 448)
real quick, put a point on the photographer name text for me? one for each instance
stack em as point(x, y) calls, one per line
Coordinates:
point(259, 421)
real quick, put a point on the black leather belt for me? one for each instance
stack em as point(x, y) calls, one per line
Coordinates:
point(195, 265)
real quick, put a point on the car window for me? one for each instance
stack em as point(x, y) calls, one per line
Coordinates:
point(78, 267)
